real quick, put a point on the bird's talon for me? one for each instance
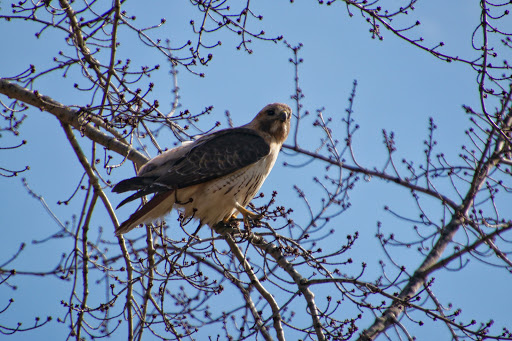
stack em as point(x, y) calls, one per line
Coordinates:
point(258, 217)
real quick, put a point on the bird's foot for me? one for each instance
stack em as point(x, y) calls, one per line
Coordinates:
point(248, 216)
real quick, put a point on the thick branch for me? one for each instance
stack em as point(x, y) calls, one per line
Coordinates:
point(299, 280)
point(257, 284)
point(98, 191)
point(72, 117)
point(459, 217)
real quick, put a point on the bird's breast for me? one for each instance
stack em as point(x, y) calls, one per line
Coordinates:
point(216, 199)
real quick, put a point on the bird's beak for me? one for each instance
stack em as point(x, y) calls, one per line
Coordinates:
point(283, 116)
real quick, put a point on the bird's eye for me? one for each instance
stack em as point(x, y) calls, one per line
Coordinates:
point(271, 112)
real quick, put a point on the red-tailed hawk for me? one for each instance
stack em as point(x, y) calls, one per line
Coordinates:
point(213, 177)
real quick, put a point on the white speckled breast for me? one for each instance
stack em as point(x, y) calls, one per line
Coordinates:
point(219, 196)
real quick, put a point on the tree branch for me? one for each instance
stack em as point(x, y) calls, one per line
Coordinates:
point(73, 117)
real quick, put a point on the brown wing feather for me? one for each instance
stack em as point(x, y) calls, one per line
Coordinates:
point(214, 156)
point(228, 151)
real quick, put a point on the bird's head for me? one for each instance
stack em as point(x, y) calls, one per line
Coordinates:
point(274, 120)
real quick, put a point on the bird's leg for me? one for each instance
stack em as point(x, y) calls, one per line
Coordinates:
point(247, 214)
point(229, 218)
point(231, 222)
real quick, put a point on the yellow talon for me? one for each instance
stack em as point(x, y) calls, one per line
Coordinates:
point(247, 214)
point(227, 219)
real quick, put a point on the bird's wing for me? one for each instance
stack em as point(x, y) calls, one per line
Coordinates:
point(226, 152)
point(208, 158)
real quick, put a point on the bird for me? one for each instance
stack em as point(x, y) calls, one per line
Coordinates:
point(212, 178)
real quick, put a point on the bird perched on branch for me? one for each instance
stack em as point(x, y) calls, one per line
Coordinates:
point(213, 178)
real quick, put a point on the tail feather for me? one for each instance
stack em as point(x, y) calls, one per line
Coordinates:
point(157, 207)
point(132, 184)
point(136, 195)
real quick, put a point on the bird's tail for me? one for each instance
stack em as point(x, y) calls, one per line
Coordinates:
point(157, 207)
point(133, 184)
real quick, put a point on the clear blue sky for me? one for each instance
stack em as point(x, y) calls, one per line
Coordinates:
point(400, 87)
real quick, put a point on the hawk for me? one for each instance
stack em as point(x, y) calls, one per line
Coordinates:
point(212, 178)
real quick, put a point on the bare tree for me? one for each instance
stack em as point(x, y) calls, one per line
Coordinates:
point(171, 284)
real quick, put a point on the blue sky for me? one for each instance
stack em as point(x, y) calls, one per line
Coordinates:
point(399, 88)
